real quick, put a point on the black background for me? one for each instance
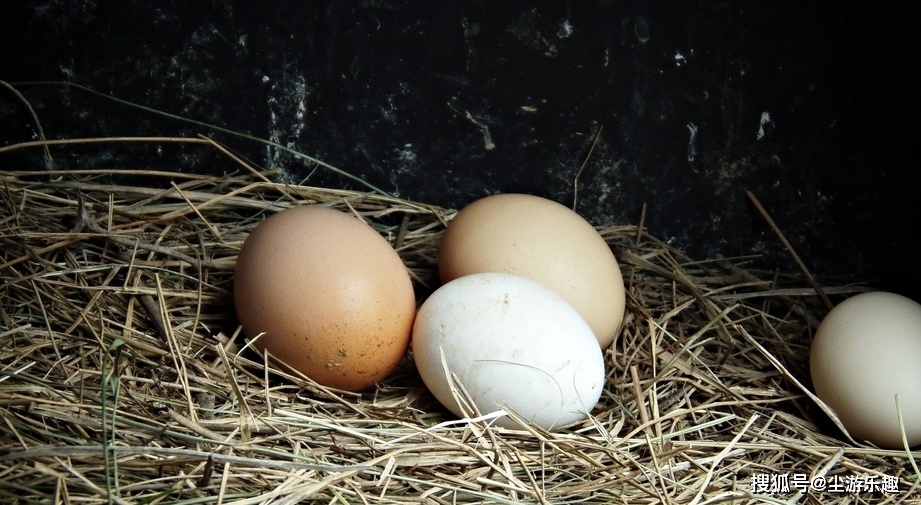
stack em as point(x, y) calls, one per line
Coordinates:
point(398, 94)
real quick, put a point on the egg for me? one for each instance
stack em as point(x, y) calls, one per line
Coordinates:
point(326, 295)
point(865, 351)
point(510, 343)
point(544, 241)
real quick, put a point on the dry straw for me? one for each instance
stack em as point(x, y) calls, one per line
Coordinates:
point(125, 379)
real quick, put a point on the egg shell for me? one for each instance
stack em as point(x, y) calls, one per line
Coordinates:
point(329, 295)
point(544, 241)
point(865, 351)
point(509, 341)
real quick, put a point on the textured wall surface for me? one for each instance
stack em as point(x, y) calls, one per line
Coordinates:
point(445, 102)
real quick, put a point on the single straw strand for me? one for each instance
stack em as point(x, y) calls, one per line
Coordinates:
point(783, 239)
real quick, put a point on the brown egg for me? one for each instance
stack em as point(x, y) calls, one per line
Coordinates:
point(544, 241)
point(325, 294)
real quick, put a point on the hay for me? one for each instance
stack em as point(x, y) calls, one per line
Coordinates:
point(125, 379)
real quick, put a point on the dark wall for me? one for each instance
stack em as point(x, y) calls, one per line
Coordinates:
point(445, 102)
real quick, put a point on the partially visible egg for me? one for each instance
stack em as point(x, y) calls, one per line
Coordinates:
point(327, 295)
point(508, 342)
point(544, 241)
point(867, 350)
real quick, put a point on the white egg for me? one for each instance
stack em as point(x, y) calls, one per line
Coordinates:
point(867, 350)
point(511, 343)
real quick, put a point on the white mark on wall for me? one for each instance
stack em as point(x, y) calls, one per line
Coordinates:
point(692, 142)
point(287, 115)
point(765, 120)
point(680, 59)
point(565, 29)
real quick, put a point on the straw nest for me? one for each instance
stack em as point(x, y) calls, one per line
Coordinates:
point(125, 378)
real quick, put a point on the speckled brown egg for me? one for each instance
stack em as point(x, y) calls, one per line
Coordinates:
point(543, 241)
point(326, 295)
